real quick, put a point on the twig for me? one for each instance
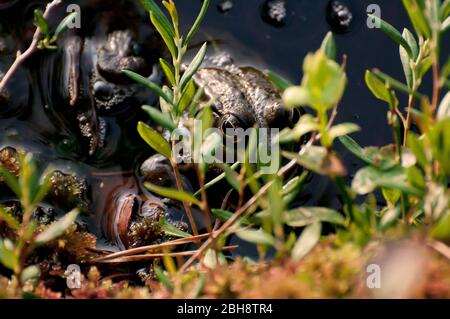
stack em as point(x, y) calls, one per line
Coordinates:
point(144, 249)
point(21, 57)
point(159, 255)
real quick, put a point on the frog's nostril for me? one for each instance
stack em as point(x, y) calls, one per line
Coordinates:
point(103, 91)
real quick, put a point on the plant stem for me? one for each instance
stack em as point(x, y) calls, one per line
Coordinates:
point(408, 118)
point(435, 101)
point(180, 187)
point(21, 57)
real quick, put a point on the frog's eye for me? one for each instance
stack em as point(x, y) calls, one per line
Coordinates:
point(103, 91)
point(229, 123)
point(136, 49)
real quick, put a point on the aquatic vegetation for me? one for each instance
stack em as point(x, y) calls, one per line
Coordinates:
point(394, 212)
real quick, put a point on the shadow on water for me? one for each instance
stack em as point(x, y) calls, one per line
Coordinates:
point(242, 31)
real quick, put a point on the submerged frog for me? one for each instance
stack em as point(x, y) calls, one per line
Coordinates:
point(242, 96)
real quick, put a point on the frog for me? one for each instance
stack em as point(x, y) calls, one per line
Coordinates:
point(242, 97)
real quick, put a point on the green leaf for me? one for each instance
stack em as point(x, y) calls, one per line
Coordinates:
point(296, 96)
point(409, 37)
point(172, 193)
point(390, 216)
point(165, 35)
point(163, 279)
point(292, 188)
point(40, 22)
point(151, 6)
point(149, 84)
point(329, 46)
point(10, 220)
point(416, 11)
point(57, 228)
point(155, 140)
point(7, 256)
point(304, 216)
point(444, 108)
point(188, 96)
point(222, 215)
point(160, 118)
point(11, 181)
point(278, 81)
point(307, 241)
point(395, 84)
point(406, 60)
point(167, 68)
point(171, 230)
point(342, 130)
point(369, 178)
point(29, 273)
point(351, 145)
point(258, 237)
point(436, 202)
point(392, 33)
point(305, 125)
point(64, 24)
point(198, 21)
point(232, 177)
point(319, 160)
point(193, 67)
point(377, 87)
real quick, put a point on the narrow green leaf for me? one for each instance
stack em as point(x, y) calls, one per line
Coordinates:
point(377, 87)
point(280, 82)
point(167, 68)
point(7, 256)
point(393, 33)
point(171, 230)
point(395, 84)
point(307, 241)
point(57, 228)
point(173, 194)
point(163, 279)
point(259, 237)
point(198, 21)
point(389, 218)
point(151, 6)
point(416, 11)
point(149, 84)
point(64, 25)
point(155, 140)
point(304, 216)
point(40, 22)
point(165, 35)
point(444, 108)
point(342, 130)
point(193, 67)
point(232, 177)
point(160, 118)
point(406, 63)
point(8, 219)
point(329, 46)
point(11, 181)
point(355, 149)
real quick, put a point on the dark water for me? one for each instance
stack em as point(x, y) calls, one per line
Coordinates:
point(250, 39)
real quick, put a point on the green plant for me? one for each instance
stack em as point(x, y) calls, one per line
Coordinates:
point(31, 189)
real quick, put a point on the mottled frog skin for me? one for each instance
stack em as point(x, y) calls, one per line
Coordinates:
point(242, 96)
